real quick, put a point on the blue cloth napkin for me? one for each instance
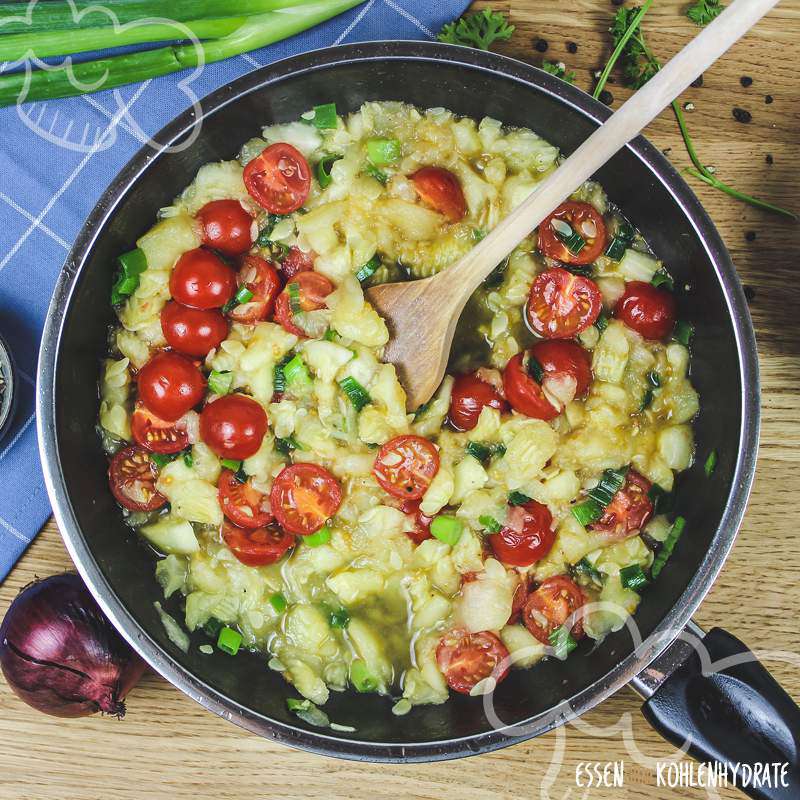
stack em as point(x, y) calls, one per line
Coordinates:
point(56, 158)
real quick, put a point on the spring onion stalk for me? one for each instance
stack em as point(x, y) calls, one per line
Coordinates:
point(279, 376)
point(633, 577)
point(480, 451)
point(325, 117)
point(587, 512)
point(308, 712)
point(339, 618)
point(295, 303)
point(361, 678)
point(668, 546)
point(562, 642)
point(323, 171)
point(382, 152)
point(369, 269)
point(229, 641)
point(490, 523)
point(278, 602)
point(716, 183)
point(447, 529)
point(591, 509)
point(662, 279)
point(518, 498)
point(288, 444)
point(220, 382)
point(585, 568)
point(647, 399)
point(296, 373)
point(374, 172)
point(357, 394)
point(131, 266)
point(257, 31)
point(318, 538)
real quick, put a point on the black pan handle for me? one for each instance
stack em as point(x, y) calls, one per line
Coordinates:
point(709, 694)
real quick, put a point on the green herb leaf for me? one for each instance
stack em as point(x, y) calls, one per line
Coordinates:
point(339, 618)
point(188, 458)
point(490, 523)
point(562, 642)
point(704, 11)
point(480, 30)
point(668, 546)
point(560, 71)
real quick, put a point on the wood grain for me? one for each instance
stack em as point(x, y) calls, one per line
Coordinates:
point(169, 747)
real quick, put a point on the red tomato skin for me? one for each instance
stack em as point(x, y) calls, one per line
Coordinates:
point(420, 457)
point(524, 394)
point(233, 495)
point(441, 190)
point(233, 426)
point(156, 435)
point(226, 227)
point(562, 305)
point(170, 385)
point(467, 658)
point(192, 331)
point(307, 484)
point(574, 213)
point(556, 599)
point(201, 279)
point(313, 289)
point(559, 357)
point(629, 510)
point(469, 397)
point(279, 179)
point(422, 522)
point(532, 543)
point(296, 261)
point(257, 547)
point(134, 464)
point(261, 278)
point(648, 310)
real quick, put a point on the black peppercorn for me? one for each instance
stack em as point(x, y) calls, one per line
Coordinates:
point(768, 99)
point(746, 81)
point(769, 159)
point(606, 97)
point(541, 45)
point(741, 115)
point(750, 236)
point(572, 47)
point(698, 82)
point(749, 293)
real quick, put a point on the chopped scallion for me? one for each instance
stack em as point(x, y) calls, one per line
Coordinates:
point(318, 538)
point(668, 546)
point(244, 295)
point(611, 482)
point(357, 394)
point(278, 602)
point(662, 279)
point(711, 463)
point(662, 500)
point(161, 460)
point(535, 369)
point(369, 269)
point(480, 451)
point(308, 712)
point(287, 444)
point(587, 512)
point(188, 458)
point(325, 116)
point(263, 239)
point(447, 529)
point(584, 568)
point(220, 382)
point(279, 375)
point(478, 235)
point(339, 618)
point(633, 577)
point(231, 464)
point(616, 250)
point(562, 642)
point(229, 641)
point(601, 323)
point(323, 170)
point(647, 399)
point(422, 409)
point(296, 373)
point(654, 378)
point(131, 266)
point(374, 172)
point(490, 523)
point(516, 498)
point(683, 332)
point(294, 297)
point(382, 152)
point(361, 678)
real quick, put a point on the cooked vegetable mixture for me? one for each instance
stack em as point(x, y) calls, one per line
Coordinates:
point(261, 446)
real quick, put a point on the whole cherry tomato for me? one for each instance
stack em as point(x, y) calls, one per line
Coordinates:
point(192, 331)
point(469, 397)
point(648, 310)
point(170, 385)
point(233, 426)
point(201, 279)
point(226, 227)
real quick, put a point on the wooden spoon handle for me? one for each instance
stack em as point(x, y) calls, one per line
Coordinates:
point(618, 130)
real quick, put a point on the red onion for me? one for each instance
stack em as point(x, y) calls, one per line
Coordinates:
point(61, 655)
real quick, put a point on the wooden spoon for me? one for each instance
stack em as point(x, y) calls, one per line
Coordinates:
point(422, 315)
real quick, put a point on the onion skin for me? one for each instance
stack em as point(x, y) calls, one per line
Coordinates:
point(61, 655)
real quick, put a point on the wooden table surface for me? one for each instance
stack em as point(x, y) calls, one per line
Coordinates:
point(168, 746)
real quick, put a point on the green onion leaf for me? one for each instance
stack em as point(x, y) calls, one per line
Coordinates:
point(278, 602)
point(212, 626)
point(616, 250)
point(231, 464)
point(131, 266)
point(490, 523)
point(382, 152)
point(711, 464)
point(422, 409)
point(229, 641)
point(325, 116)
point(161, 460)
point(369, 269)
point(294, 297)
point(683, 332)
point(662, 500)
point(188, 458)
point(654, 378)
point(358, 395)
point(331, 335)
point(323, 170)
point(633, 577)
point(379, 175)
point(647, 399)
point(662, 279)
point(296, 372)
point(447, 529)
point(244, 295)
point(220, 382)
point(478, 235)
point(668, 546)
point(516, 498)
point(308, 712)
point(585, 568)
point(587, 512)
point(480, 451)
point(535, 369)
point(263, 239)
point(562, 642)
point(279, 375)
point(601, 323)
point(361, 678)
point(288, 444)
point(611, 482)
point(571, 238)
point(318, 538)
point(339, 618)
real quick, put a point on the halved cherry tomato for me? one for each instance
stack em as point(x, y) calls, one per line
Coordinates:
point(585, 220)
point(406, 465)
point(241, 503)
point(312, 289)
point(261, 278)
point(422, 522)
point(227, 227)
point(629, 510)
point(563, 359)
point(469, 397)
point(467, 658)
point(279, 179)
point(296, 260)
point(551, 605)
point(201, 279)
point(527, 536)
point(192, 331)
point(257, 547)
point(233, 426)
point(132, 477)
point(519, 599)
point(648, 310)
point(441, 190)
point(561, 304)
point(524, 393)
point(304, 497)
point(169, 385)
point(157, 435)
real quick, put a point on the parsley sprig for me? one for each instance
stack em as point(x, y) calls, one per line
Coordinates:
point(639, 64)
point(559, 70)
point(704, 11)
point(479, 30)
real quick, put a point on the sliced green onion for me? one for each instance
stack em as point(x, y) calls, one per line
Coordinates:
point(616, 250)
point(711, 463)
point(220, 382)
point(325, 116)
point(318, 538)
point(587, 512)
point(294, 297)
point(478, 235)
point(331, 335)
point(633, 577)
point(422, 409)
point(654, 378)
point(586, 569)
point(288, 444)
point(361, 678)
point(483, 452)
point(161, 460)
point(611, 482)
point(447, 529)
point(308, 712)
point(379, 175)
point(683, 332)
point(212, 626)
point(490, 523)
point(229, 641)
point(382, 152)
point(535, 369)
point(231, 464)
point(664, 280)
point(296, 373)
point(585, 270)
point(662, 500)
point(668, 546)
point(131, 266)
point(323, 170)
point(278, 602)
point(263, 239)
point(562, 642)
point(339, 618)
point(573, 241)
point(279, 375)
point(188, 458)
point(601, 323)
point(516, 498)
point(358, 395)
point(647, 399)
point(369, 269)
point(244, 295)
